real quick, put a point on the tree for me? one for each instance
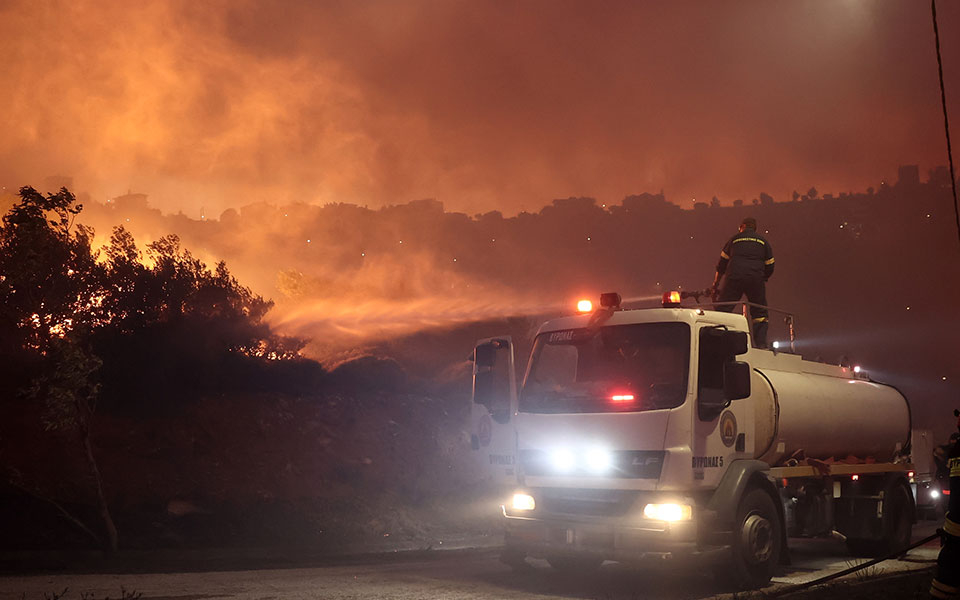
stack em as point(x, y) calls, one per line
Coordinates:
point(796, 195)
point(69, 389)
point(812, 193)
point(766, 198)
point(49, 292)
point(51, 279)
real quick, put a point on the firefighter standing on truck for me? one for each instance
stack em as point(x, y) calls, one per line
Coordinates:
point(746, 263)
point(947, 582)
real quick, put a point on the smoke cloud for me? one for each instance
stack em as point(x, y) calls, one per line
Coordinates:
point(483, 105)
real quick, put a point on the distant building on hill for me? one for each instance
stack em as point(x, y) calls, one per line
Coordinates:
point(130, 201)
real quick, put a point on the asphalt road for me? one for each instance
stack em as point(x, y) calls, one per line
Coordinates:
point(462, 574)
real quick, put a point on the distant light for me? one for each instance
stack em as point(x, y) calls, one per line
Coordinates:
point(934, 494)
point(284, 214)
point(908, 308)
point(363, 254)
point(308, 241)
point(855, 477)
point(928, 215)
point(776, 345)
point(910, 473)
point(588, 238)
point(401, 241)
point(493, 240)
point(454, 260)
point(944, 378)
point(856, 369)
point(766, 231)
point(841, 226)
point(584, 306)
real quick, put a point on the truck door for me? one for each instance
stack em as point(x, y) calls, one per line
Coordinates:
point(494, 407)
point(722, 425)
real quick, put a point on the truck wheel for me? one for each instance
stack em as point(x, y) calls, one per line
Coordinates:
point(756, 543)
point(574, 564)
point(898, 526)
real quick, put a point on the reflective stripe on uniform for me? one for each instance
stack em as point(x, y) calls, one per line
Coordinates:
point(946, 590)
point(759, 319)
point(951, 527)
point(724, 255)
point(757, 240)
point(954, 465)
point(768, 262)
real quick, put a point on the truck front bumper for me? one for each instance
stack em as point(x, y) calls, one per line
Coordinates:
point(609, 539)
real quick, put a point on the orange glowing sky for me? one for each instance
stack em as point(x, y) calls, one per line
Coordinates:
point(480, 104)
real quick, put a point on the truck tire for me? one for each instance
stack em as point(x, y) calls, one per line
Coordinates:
point(756, 542)
point(575, 565)
point(897, 527)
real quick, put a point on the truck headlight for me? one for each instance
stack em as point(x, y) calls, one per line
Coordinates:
point(563, 460)
point(668, 512)
point(599, 460)
point(523, 502)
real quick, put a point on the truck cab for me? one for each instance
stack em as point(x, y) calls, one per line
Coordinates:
point(636, 435)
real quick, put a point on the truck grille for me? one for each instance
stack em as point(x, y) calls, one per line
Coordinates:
point(595, 503)
point(627, 464)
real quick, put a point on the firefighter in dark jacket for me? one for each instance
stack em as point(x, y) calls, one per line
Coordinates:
point(746, 263)
point(947, 582)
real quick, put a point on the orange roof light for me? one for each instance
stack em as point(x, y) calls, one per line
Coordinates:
point(584, 306)
point(671, 299)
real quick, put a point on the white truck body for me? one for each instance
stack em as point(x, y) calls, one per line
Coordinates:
point(824, 443)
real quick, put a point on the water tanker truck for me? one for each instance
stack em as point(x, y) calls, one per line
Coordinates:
point(662, 434)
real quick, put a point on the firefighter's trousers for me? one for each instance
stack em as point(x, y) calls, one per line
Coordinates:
point(947, 582)
point(755, 288)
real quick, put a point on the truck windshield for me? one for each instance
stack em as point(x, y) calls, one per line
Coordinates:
point(619, 368)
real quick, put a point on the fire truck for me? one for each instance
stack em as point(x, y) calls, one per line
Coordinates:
point(663, 434)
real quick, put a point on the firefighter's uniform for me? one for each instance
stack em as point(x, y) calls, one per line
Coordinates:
point(947, 582)
point(746, 262)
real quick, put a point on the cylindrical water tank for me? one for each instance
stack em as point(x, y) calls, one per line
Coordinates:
point(827, 416)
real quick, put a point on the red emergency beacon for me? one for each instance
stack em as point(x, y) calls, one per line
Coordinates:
point(671, 299)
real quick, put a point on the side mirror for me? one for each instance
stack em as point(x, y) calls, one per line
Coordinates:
point(736, 380)
point(485, 355)
point(725, 342)
point(734, 343)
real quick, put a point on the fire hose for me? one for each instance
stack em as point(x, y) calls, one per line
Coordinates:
point(802, 586)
